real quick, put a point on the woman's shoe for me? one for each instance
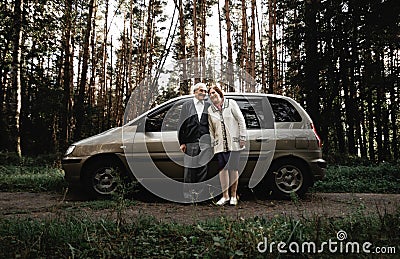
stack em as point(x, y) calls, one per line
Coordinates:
point(222, 201)
point(233, 201)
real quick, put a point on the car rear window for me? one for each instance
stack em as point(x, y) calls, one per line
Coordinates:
point(284, 111)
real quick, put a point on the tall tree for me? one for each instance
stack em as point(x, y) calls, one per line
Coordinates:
point(311, 82)
point(229, 68)
point(16, 71)
point(183, 88)
point(80, 102)
point(67, 76)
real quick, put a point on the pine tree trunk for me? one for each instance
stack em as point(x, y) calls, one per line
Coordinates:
point(270, 48)
point(195, 44)
point(243, 55)
point(229, 71)
point(311, 82)
point(275, 52)
point(183, 88)
point(93, 64)
point(393, 103)
point(253, 45)
point(3, 75)
point(220, 37)
point(67, 78)
point(83, 79)
point(260, 29)
point(203, 38)
point(16, 72)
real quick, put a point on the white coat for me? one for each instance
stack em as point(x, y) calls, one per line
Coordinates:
point(227, 127)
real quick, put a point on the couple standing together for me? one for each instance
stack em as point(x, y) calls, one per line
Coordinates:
point(219, 123)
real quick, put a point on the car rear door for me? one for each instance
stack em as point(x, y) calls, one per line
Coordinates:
point(260, 135)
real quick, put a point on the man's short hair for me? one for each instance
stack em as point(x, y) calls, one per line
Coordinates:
point(198, 85)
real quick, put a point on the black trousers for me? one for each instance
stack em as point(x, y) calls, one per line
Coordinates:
point(195, 170)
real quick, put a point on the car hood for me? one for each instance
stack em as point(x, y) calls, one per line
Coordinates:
point(110, 141)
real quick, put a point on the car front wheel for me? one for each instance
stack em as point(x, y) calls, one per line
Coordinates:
point(103, 178)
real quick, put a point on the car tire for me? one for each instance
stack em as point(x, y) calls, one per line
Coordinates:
point(104, 177)
point(286, 177)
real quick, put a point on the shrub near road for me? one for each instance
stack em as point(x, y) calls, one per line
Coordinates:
point(384, 178)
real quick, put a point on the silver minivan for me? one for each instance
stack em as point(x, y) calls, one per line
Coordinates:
point(280, 134)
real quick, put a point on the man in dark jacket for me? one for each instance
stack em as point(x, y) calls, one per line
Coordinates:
point(193, 138)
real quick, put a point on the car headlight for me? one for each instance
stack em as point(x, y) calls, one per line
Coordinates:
point(69, 150)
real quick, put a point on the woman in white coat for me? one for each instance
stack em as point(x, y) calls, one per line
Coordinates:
point(228, 136)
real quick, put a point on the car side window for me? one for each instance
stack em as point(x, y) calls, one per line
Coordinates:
point(249, 108)
point(284, 111)
point(165, 119)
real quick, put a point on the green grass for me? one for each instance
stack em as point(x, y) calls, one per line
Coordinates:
point(31, 178)
point(384, 178)
point(77, 236)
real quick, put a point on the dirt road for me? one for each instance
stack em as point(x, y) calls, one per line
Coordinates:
point(48, 205)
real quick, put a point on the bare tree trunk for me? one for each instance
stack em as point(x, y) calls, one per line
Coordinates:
point(229, 41)
point(203, 38)
point(220, 36)
point(82, 84)
point(311, 82)
point(275, 55)
point(263, 76)
point(270, 48)
point(4, 143)
point(393, 103)
point(183, 88)
point(252, 67)
point(93, 63)
point(109, 102)
point(195, 44)
point(16, 71)
point(130, 48)
point(67, 77)
point(243, 55)
point(104, 87)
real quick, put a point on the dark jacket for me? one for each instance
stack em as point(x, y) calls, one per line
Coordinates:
point(190, 128)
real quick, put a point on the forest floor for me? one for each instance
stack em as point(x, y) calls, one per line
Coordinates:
point(52, 205)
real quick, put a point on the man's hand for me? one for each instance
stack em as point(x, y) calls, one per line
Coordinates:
point(242, 143)
point(183, 148)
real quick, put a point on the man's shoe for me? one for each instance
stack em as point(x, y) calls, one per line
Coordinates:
point(222, 201)
point(233, 201)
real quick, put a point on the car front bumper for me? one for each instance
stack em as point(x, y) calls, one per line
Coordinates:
point(72, 168)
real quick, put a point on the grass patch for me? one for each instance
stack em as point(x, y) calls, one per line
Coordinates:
point(31, 178)
point(77, 236)
point(383, 178)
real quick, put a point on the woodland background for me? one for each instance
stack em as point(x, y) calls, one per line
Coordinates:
point(65, 76)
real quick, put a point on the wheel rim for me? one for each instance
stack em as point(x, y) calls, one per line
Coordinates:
point(105, 180)
point(289, 179)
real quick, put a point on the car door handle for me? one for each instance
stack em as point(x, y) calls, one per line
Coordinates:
point(260, 139)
